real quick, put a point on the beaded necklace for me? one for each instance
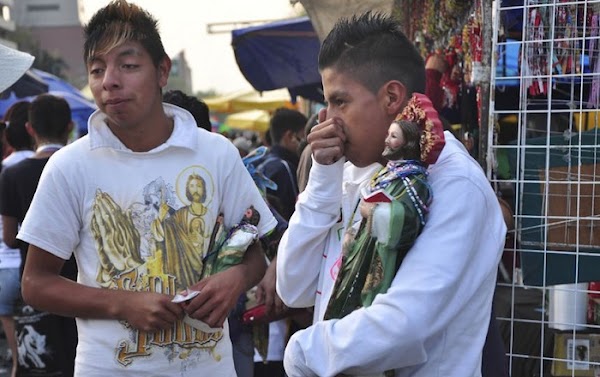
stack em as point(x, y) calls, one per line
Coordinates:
point(394, 170)
point(415, 199)
point(402, 169)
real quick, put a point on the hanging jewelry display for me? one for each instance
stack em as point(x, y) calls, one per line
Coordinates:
point(535, 52)
point(594, 60)
point(473, 71)
point(451, 81)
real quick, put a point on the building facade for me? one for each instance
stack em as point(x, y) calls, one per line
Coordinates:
point(7, 24)
point(56, 25)
point(180, 77)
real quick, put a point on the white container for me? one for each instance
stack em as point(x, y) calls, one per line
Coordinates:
point(567, 306)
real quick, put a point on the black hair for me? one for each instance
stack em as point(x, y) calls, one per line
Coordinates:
point(50, 116)
point(285, 119)
point(411, 149)
point(374, 50)
point(195, 106)
point(15, 132)
point(117, 23)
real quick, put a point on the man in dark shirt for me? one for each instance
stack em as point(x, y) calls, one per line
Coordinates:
point(49, 124)
point(287, 131)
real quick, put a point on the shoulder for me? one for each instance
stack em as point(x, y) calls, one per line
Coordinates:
point(16, 169)
point(456, 174)
point(455, 162)
point(216, 144)
point(271, 165)
point(72, 153)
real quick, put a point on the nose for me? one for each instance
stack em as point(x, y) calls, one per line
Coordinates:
point(111, 79)
point(330, 110)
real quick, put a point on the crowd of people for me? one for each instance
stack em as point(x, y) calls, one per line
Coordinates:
point(345, 245)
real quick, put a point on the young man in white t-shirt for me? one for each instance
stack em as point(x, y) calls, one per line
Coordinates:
point(136, 201)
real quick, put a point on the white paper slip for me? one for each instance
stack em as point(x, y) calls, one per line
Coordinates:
point(185, 297)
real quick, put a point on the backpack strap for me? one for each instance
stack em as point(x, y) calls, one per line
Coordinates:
point(271, 158)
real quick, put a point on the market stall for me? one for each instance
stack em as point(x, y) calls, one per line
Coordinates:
point(250, 100)
point(281, 54)
point(549, 78)
point(463, 38)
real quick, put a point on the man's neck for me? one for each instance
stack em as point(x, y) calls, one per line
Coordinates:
point(46, 147)
point(45, 141)
point(146, 138)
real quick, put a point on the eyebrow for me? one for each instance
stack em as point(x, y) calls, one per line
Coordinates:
point(336, 94)
point(127, 52)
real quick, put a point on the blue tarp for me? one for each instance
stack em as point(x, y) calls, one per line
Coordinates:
point(81, 107)
point(281, 54)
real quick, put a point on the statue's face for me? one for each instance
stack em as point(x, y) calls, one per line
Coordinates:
point(196, 190)
point(394, 141)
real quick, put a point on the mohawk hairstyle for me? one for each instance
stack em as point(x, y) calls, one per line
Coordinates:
point(373, 49)
point(120, 22)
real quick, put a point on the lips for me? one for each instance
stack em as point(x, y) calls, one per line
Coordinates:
point(114, 101)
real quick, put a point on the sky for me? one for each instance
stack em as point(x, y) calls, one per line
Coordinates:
point(183, 27)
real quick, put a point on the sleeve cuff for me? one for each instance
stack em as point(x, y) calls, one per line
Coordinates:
point(325, 181)
point(294, 362)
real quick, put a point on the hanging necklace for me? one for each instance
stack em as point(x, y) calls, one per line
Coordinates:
point(50, 147)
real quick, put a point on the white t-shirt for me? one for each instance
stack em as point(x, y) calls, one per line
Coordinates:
point(132, 225)
point(9, 257)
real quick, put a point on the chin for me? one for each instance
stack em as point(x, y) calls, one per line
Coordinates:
point(361, 163)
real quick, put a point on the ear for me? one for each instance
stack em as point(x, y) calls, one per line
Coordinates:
point(30, 129)
point(286, 138)
point(164, 68)
point(395, 96)
point(289, 135)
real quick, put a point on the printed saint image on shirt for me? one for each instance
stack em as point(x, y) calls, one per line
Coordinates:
point(157, 244)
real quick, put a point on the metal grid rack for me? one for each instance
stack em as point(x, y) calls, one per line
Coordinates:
point(545, 160)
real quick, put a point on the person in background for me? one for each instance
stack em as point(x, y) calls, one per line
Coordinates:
point(305, 162)
point(286, 128)
point(131, 200)
point(49, 123)
point(14, 64)
point(195, 106)
point(15, 139)
point(18, 143)
point(243, 145)
point(435, 67)
point(434, 317)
